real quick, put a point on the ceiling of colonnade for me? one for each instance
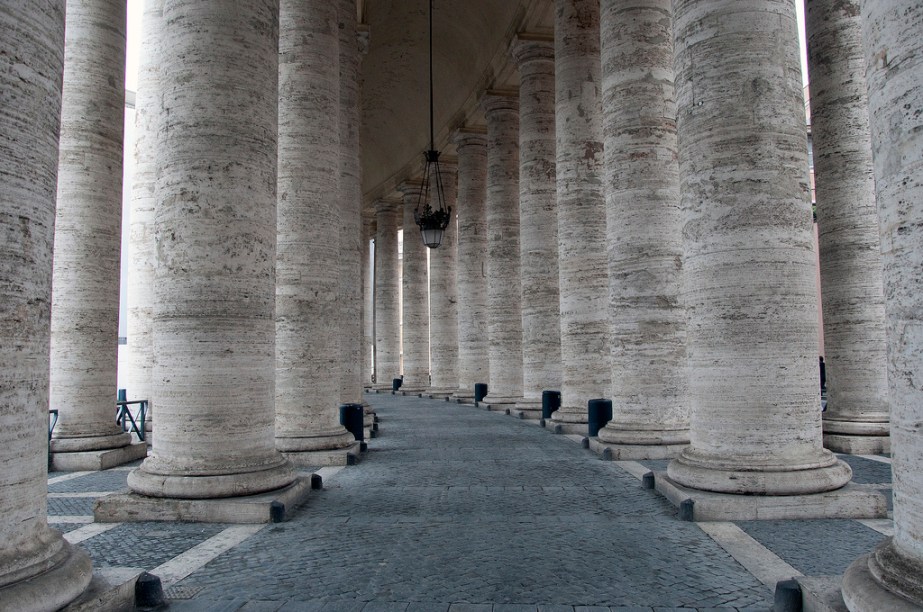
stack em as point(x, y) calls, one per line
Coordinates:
point(470, 53)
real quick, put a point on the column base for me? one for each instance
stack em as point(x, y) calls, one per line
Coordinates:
point(112, 588)
point(53, 589)
point(635, 452)
point(857, 445)
point(439, 392)
point(272, 506)
point(863, 591)
point(74, 444)
point(462, 398)
point(848, 502)
point(348, 455)
point(97, 460)
point(530, 409)
point(564, 427)
point(158, 478)
point(499, 402)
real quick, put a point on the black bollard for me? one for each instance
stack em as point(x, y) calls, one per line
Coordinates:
point(351, 417)
point(599, 412)
point(551, 401)
point(480, 391)
point(396, 383)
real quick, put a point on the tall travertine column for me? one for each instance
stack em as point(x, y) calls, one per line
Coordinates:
point(215, 226)
point(650, 416)
point(88, 238)
point(350, 209)
point(749, 262)
point(538, 222)
point(442, 295)
point(142, 255)
point(584, 280)
point(504, 294)
point(368, 297)
point(891, 578)
point(38, 568)
point(856, 419)
point(387, 289)
point(471, 275)
point(415, 310)
point(308, 310)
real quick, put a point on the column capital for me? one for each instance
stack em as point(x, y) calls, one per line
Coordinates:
point(386, 205)
point(410, 187)
point(470, 136)
point(527, 47)
point(494, 100)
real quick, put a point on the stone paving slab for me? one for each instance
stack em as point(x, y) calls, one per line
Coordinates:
point(146, 545)
point(107, 480)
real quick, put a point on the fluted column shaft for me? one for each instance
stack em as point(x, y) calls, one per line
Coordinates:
point(414, 309)
point(142, 255)
point(584, 280)
point(892, 577)
point(856, 418)
point(504, 293)
point(749, 263)
point(38, 568)
point(88, 229)
point(387, 290)
point(645, 246)
point(538, 221)
point(443, 295)
point(350, 209)
point(471, 275)
point(215, 275)
point(309, 312)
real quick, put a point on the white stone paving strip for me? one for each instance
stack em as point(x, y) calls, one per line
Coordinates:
point(69, 518)
point(66, 477)
point(329, 471)
point(878, 458)
point(634, 468)
point(88, 531)
point(196, 557)
point(765, 565)
point(883, 526)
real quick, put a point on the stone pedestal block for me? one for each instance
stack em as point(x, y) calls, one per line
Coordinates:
point(79, 461)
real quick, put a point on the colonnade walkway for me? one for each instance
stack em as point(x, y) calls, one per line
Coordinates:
point(458, 509)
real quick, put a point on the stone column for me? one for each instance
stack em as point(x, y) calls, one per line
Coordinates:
point(581, 213)
point(471, 275)
point(415, 310)
point(891, 578)
point(368, 297)
point(856, 419)
point(504, 293)
point(87, 242)
point(139, 364)
point(538, 222)
point(38, 568)
point(215, 228)
point(443, 295)
point(650, 416)
point(387, 287)
point(350, 209)
point(749, 264)
point(310, 221)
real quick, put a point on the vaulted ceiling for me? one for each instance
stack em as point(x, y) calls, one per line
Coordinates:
point(471, 39)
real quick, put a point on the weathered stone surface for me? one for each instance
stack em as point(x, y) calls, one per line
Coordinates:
point(88, 230)
point(37, 567)
point(538, 221)
point(644, 220)
point(368, 297)
point(309, 313)
point(749, 262)
point(584, 279)
point(414, 307)
point(850, 263)
point(504, 294)
point(443, 297)
point(215, 275)
point(471, 274)
point(387, 289)
point(893, 53)
point(350, 208)
point(140, 355)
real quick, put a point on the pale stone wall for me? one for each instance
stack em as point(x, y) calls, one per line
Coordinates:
point(415, 310)
point(471, 275)
point(33, 39)
point(215, 274)
point(582, 262)
point(442, 293)
point(538, 220)
point(749, 264)
point(850, 265)
point(504, 293)
point(88, 230)
point(387, 286)
point(648, 352)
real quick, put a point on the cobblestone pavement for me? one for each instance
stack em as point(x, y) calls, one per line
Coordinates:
point(458, 509)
